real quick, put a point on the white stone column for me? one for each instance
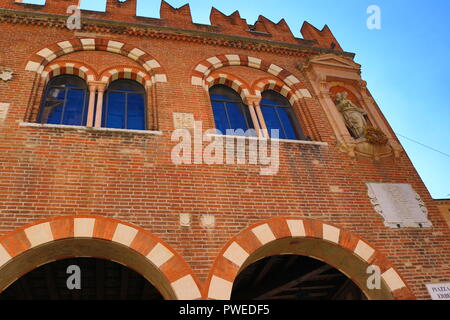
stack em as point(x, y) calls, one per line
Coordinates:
point(91, 107)
point(253, 103)
point(98, 115)
point(265, 131)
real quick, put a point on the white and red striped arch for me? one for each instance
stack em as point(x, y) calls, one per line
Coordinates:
point(130, 73)
point(68, 67)
point(238, 250)
point(229, 80)
point(159, 253)
point(203, 70)
point(39, 61)
point(278, 86)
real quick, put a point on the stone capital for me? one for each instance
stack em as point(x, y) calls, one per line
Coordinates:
point(97, 85)
point(253, 100)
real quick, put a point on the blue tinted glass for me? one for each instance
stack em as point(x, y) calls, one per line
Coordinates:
point(73, 112)
point(136, 112)
point(65, 101)
point(237, 120)
point(220, 116)
point(55, 112)
point(57, 93)
point(269, 102)
point(287, 124)
point(272, 120)
point(115, 115)
point(70, 86)
point(219, 97)
point(54, 105)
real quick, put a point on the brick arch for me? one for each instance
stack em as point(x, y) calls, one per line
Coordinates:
point(207, 66)
point(235, 256)
point(159, 254)
point(237, 84)
point(68, 67)
point(43, 57)
point(276, 85)
point(130, 73)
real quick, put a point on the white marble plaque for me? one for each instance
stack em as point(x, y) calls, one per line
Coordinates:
point(439, 291)
point(3, 111)
point(399, 204)
point(183, 120)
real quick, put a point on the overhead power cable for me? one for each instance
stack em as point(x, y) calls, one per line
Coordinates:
point(423, 145)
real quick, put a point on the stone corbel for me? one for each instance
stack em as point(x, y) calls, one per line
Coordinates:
point(396, 147)
point(348, 147)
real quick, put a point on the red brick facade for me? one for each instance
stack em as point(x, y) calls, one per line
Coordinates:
point(128, 178)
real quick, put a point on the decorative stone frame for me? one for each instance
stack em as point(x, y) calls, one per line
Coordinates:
point(330, 70)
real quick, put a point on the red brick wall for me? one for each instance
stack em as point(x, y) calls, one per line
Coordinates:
point(49, 172)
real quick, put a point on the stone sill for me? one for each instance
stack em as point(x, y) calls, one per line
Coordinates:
point(158, 133)
point(313, 143)
point(90, 129)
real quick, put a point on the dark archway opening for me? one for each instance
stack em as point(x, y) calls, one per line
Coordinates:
point(294, 277)
point(99, 279)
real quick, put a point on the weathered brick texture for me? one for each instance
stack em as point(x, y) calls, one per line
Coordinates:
point(54, 172)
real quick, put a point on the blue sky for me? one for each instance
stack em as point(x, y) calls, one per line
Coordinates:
point(405, 63)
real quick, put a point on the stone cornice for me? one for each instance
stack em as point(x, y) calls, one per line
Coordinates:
point(162, 32)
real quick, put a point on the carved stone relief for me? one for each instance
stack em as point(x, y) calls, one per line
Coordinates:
point(183, 120)
point(399, 204)
point(6, 75)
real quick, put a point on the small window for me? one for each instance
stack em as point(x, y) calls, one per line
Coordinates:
point(230, 113)
point(124, 107)
point(65, 101)
point(278, 114)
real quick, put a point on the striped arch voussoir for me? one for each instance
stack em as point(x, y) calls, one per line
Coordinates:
point(156, 251)
point(239, 249)
point(206, 67)
point(230, 81)
point(39, 61)
point(127, 73)
point(280, 87)
point(74, 68)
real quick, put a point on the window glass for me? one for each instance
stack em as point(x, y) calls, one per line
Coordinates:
point(229, 110)
point(279, 115)
point(220, 116)
point(72, 114)
point(125, 106)
point(115, 115)
point(136, 113)
point(65, 101)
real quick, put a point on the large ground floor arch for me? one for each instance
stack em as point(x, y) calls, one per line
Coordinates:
point(31, 247)
point(336, 253)
point(340, 249)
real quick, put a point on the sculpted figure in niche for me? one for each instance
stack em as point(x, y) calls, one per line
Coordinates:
point(353, 115)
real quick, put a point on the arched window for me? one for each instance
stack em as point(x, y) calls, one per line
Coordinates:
point(278, 114)
point(124, 107)
point(229, 110)
point(65, 101)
